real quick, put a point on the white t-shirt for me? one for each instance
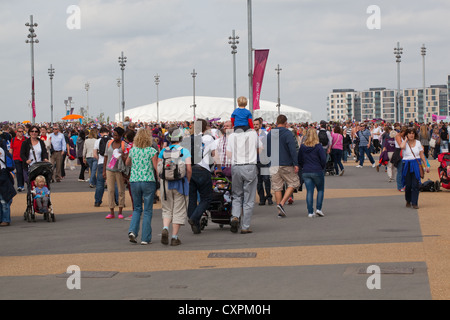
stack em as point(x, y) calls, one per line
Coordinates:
point(376, 133)
point(37, 152)
point(408, 155)
point(96, 147)
point(208, 141)
point(243, 147)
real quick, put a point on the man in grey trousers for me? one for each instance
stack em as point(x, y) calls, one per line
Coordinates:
point(243, 148)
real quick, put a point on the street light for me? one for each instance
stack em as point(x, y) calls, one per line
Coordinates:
point(194, 75)
point(118, 85)
point(278, 69)
point(51, 73)
point(122, 62)
point(233, 40)
point(423, 52)
point(157, 81)
point(87, 86)
point(398, 55)
point(32, 41)
point(250, 54)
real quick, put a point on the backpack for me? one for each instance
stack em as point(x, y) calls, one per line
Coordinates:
point(102, 145)
point(323, 138)
point(9, 162)
point(172, 167)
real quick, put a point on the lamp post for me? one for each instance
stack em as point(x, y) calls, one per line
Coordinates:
point(122, 62)
point(398, 55)
point(250, 55)
point(32, 41)
point(87, 86)
point(157, 81)
point(194, 75)
point(423, 52)
point(51, 73)
point(278, 70)
point(233, 40)
point(118, 85)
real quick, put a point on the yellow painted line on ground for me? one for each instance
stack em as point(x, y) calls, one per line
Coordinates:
point(148, 261)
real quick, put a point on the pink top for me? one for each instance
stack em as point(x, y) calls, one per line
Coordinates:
point(337, 140)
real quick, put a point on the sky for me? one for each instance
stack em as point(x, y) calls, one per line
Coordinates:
point(320, 45)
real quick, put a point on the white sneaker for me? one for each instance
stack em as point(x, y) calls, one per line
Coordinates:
point(311, 215)
point(132, 237)
point(374, 165)
point(359, 166)
point(319, 213)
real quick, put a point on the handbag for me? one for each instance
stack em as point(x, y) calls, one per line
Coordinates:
point(432, 143)
point(422, 172)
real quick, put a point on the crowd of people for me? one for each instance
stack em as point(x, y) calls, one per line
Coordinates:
point(174, 163)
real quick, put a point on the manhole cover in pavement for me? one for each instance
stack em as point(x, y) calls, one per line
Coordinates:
point(232, 255)
point(91, 274)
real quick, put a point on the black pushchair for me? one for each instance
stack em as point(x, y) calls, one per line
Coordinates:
point(38, 169)
point(219, 210)
point(329, 167)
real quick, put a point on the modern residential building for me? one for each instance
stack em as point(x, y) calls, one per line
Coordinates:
point(343, 105)
point(436, 102)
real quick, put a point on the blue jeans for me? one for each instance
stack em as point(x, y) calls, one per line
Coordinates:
point(365, 150)
point(337, 159)
point(142, 192)
point(5, 210)
point(411, 188)
point(201, 183)
point(314, 180)
point(399, 175)
point(100, 186)
point(92, 162)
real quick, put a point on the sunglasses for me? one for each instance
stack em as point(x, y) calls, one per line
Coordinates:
point(34, 131)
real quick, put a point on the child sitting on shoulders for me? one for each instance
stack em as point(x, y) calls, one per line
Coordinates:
point(241, 117)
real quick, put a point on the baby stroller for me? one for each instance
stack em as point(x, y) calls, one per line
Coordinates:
point(219, 210)
point(329, 167)
point(38, 169)
point(444, 160)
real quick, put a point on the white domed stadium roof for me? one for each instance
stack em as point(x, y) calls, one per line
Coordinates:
point(179, 109)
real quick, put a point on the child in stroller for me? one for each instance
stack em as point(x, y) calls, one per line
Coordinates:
point(219, 210)
point(38, 193)
point(41, 194)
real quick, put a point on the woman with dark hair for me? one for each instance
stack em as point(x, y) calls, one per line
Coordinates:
point(337, 148)
point(413, 157)
point(32, 150)
point(115, 158)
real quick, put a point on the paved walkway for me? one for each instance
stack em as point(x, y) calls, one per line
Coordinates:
point(366, 224)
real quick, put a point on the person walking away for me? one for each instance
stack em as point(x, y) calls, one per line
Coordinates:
point(284, 163)
point(16, 145)
point(365, 140)
point(444, 138)
point(221, 159)
point(243, 148)
point(397, 157)
point(143, 159)
point(114, 155)
point(174, 193)
point(312, 158)
point(413, 157)
point(346, 144)
point(424, 138)
point(242, 117)
point(389, 147)
point(201, 147)
point(80, 148)
point(99, 153)
point(263, 166)
point(88, 157)
point(337, 149)
point(58, 149)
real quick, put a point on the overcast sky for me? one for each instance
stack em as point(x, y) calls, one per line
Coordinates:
point(321, 45)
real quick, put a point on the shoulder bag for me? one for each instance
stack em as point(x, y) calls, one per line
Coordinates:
point(422, 172)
